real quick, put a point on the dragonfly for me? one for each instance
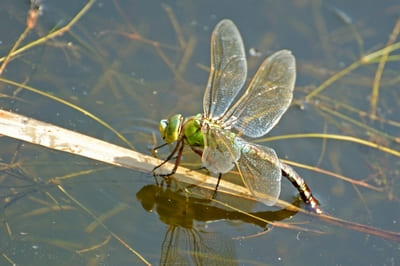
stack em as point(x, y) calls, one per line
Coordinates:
point(216, 134)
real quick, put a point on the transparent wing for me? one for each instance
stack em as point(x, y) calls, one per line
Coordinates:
point(220, 152)
point(267, 97)
point(260, 169)
point(228, 69)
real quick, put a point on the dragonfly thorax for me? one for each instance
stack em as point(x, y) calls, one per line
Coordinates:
point(192, 131)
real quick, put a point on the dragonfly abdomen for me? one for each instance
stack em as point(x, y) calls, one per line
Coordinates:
point(305, 192)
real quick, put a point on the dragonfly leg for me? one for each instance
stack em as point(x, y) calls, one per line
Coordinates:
point(216, 186)
point(153, 151)
point(305, 192)
point(178, 148)
point(178, 157)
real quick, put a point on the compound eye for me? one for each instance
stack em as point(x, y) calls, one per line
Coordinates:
point(171, 129)
point(162, 127)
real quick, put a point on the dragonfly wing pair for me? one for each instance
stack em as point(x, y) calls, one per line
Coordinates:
point(254, 114)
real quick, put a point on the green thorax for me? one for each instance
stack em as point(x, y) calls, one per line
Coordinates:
point(192, 131)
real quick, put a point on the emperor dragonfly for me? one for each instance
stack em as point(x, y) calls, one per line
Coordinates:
point(254, 114)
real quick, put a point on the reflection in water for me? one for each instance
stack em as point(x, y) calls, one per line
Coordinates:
point(184, 243)
point(190, 246)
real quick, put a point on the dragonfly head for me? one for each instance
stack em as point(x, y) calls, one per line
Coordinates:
point(170, 129)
